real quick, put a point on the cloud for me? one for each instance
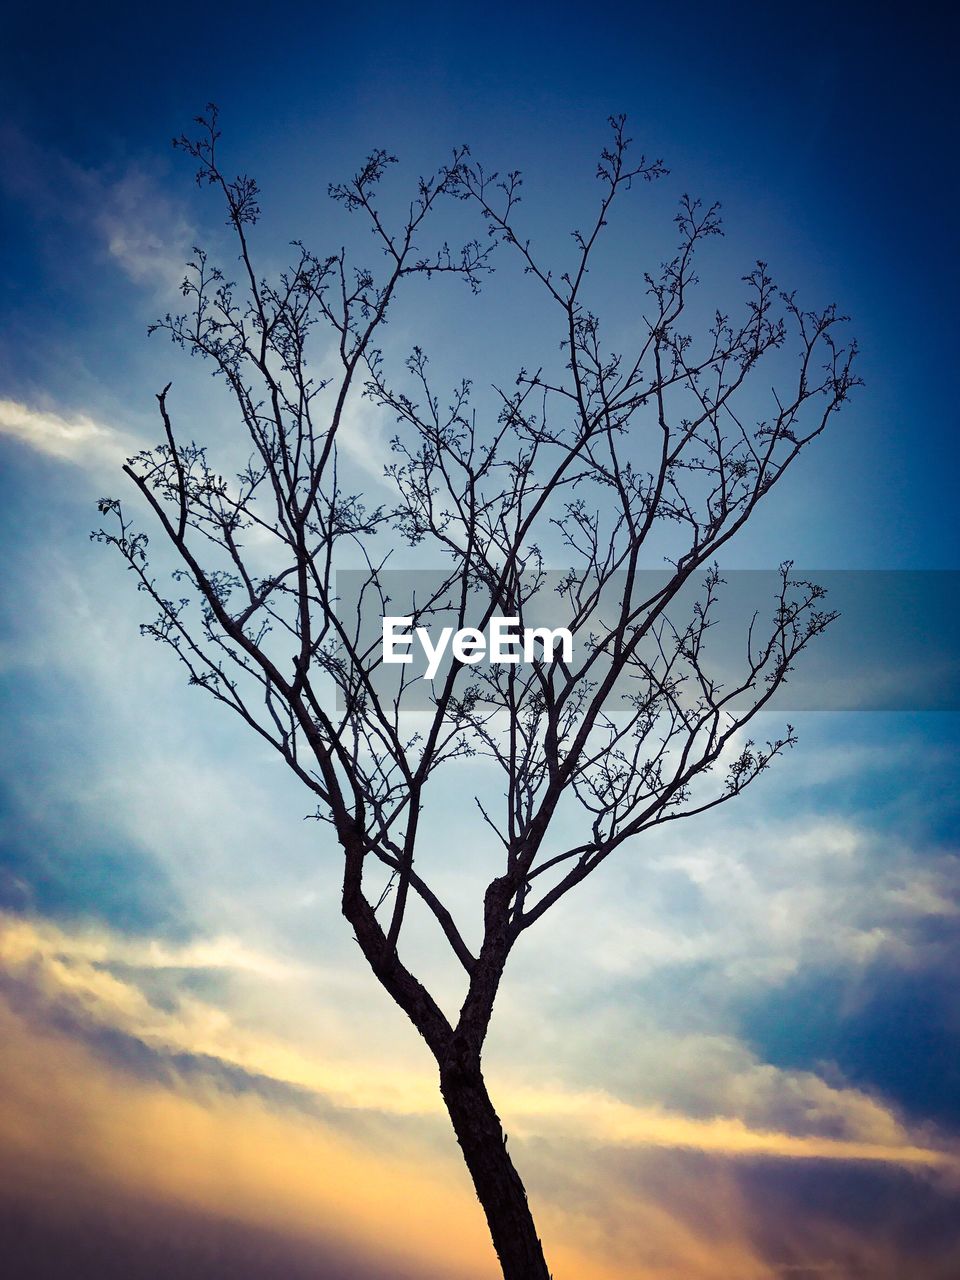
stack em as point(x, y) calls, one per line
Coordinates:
point(659, 1214)
point(363, 434)
point(138, 227)
point(597, 1117)
point(73, 1127)
point(649, 1186)
point(747, 900)
point(21, 939)
point(94, 976)
point(145, 233)
point(78, 439)
point(617, 1190)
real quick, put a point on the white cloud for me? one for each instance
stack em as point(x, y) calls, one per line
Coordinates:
point(77, 439)
point(145, 233)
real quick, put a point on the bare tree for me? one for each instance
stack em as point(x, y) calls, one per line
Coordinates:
point(590, 463)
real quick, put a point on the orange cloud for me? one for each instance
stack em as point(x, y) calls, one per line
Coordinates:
point(67, 1119)
point(373, 1170)
point(74, 967)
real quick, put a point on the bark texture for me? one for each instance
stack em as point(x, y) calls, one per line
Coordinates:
point(497, 1183)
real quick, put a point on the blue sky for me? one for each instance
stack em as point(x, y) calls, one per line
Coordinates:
point(750, 1070)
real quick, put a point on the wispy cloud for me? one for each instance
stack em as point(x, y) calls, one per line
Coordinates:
point(141, 229)
point(95, 974)
point(77, 439)
point(598, 1117)
point(145, 233)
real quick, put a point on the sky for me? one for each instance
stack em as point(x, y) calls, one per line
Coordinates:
point(732, 1055)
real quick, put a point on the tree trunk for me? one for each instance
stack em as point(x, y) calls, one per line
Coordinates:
point(497, 1183)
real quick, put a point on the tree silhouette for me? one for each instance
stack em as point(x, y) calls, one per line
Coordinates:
point(590, 463)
